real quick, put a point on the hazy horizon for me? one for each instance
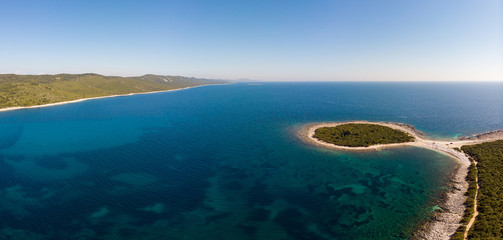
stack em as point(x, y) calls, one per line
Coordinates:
point(260, 80)
point(260, 40)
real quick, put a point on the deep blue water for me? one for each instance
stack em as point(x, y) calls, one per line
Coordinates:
point(223, 162)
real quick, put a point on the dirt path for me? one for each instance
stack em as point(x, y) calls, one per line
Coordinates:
point(475, 212)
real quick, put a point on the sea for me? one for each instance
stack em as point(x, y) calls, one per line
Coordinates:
point(226, 162)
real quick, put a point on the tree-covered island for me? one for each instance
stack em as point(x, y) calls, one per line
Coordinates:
point(361, 135)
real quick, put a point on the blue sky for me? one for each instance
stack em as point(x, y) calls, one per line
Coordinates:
point(341, 40)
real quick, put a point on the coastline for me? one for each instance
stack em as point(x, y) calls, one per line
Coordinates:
point(92, 98)
point(444, 223)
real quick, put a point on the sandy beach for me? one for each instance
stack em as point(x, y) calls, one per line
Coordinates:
point(445, 223)
point(91, 98)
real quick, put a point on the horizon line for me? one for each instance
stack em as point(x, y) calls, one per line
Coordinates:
point(244, 79)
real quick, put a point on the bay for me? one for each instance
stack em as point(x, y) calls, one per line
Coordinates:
point(224, 162)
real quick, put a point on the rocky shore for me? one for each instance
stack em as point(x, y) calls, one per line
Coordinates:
point(444, 222)
point(487, 136)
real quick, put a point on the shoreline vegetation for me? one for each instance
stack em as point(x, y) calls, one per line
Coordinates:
point(452, 218)
point(35, 91)
point(92, 98)
point(482, 219)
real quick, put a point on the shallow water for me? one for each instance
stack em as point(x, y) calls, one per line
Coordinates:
point(223, 162)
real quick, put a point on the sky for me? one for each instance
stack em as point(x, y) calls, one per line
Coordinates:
point(280, 40)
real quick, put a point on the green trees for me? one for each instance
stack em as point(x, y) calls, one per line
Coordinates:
point(27, 90)
point(489, 222)
point(361, 135)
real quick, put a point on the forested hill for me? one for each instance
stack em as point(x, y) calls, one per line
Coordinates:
point(29, 90)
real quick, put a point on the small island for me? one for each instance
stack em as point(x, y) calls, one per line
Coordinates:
point(361, 135)
point(365, 136)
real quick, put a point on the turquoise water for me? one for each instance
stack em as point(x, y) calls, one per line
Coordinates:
point(223, 162)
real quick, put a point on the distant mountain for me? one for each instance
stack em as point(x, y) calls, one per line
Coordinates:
point(29, 90)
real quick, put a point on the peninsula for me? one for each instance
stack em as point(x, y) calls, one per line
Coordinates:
point(28, 91)
point(460, 203)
